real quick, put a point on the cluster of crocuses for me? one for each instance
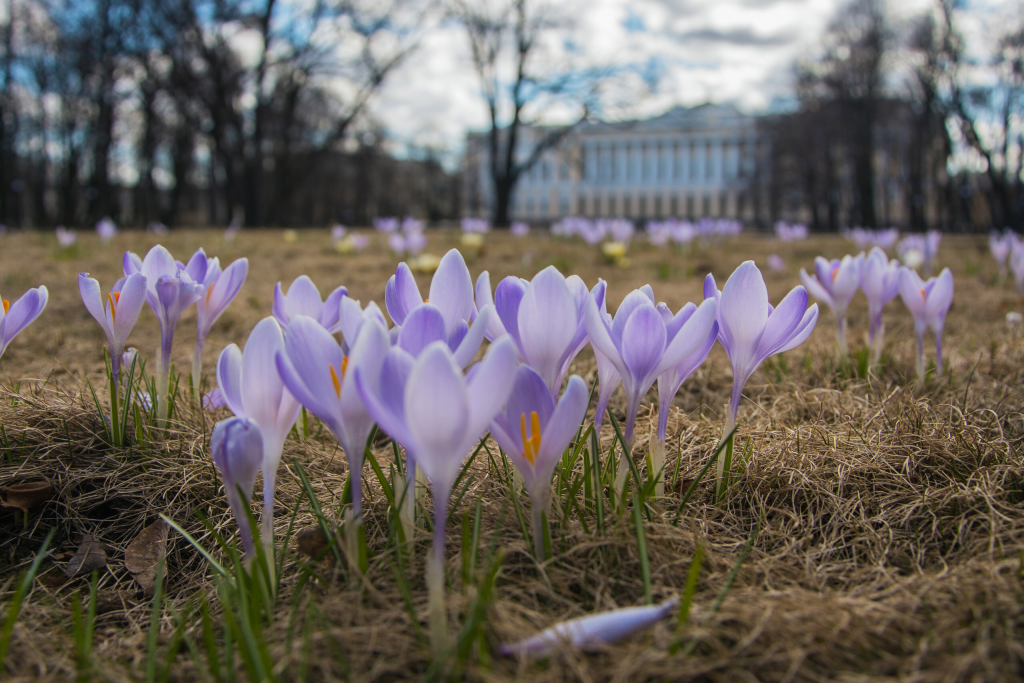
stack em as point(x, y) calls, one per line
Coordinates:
point(791, 233)
point(1008, 246)
point(863, 238)
point(169, 287)
point(836, 282)
point(418, 381)
point(918, 250)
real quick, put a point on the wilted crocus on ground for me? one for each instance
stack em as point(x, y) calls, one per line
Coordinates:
point(880, 280)
point(451, 291)
point(250, 385)
point(642, 345)
point(673, 378)
point(169, 291)
point(835, 282)
point(928, 303)
point(751, 330)
point(594, 630)
point(315, 371)
point(438, 415)
point(66, 238)
point(534, 431)
point(117, 315)
point(222, 286)
point(17, 316)
point(303, 298)
point(544, 317)
point(237, 448)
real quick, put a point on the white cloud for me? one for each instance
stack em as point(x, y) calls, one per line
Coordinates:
point(736, 51)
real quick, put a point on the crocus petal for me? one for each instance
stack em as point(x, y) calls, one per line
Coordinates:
point(940, 298)
point(600, 336)
point(633, 300)
point(303, 298)
point(451, 289)
point(401, 294)
point(803, 330)
point(437, 410)
point(331, 310)
point(783, 322)
point(910, 291)
point(22, 312)
point(814, 287)
point(229, 378)
point(507, 298)
point(312, 352)
point(89, 289)
point(368, 353)
point(470, 344)
point(129, 305)
point(495, 328)
point(743, 313)
point(261, 387)
point(547, 324)
point(643, 342)
point(561, 428)
point(423, 326)
point(691, 337)
point(197, 265)
point(489, 386)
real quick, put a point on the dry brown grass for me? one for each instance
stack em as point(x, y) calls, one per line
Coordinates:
point(892, 529)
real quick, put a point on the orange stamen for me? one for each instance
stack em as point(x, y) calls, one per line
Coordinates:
point(344, 365)
point(835, 272)
point(924, 296)
point(113, 297)
point(7, 306)
point(334, 378)
point(531, 445)
point(209, 291)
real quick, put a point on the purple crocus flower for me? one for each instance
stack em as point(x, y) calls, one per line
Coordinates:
point(169, 291)
point(751, 330)
point(592, 631)
point(1017, 264)
point(106, 229)
point(671, 379)
point(1001, 245)
point(544, 317)
point(642, 346)
point(66, 238)
point(17, 316)
point(222, 286)
point(237, 449)
point(451, 291)
point(117, 315)
point(880, 280)
point(303, 298)
point(351, 318)
point(928, 303)
point(251, 388)
point(534, 432)
point(437, 414)
point(315, 370)
point(520, 229)
point(213, 399)
point(835, 282)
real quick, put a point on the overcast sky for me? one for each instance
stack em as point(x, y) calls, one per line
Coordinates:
point(736, 51)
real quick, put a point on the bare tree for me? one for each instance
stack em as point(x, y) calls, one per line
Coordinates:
point(519, 83)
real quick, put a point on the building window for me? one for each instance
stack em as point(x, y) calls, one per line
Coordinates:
point(694, 163)
point(709, 163)
point(544, 206)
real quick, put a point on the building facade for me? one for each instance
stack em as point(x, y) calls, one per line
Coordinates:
point(687, 163)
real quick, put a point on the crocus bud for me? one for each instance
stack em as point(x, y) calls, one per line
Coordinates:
point(237, 448)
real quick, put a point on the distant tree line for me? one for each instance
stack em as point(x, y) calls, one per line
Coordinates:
point(204, 112)
point(894, 124)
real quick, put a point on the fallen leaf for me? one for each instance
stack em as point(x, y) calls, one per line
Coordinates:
point(91, 555)
point(311, 542)
point(684, 484)
point(145, 552)
point(29, 494)
point(53, 580)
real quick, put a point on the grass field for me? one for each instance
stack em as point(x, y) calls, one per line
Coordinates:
point(888, 512)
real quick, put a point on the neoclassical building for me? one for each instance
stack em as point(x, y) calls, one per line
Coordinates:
point(687, 163)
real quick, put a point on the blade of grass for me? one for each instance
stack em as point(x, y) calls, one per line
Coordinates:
point(19, 597)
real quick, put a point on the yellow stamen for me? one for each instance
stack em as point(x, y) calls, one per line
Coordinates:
point(531, 445)
point(7, 306)
point(344, 365)
point(334, 378)
point(209, 291)
point(113, 297)
point(924, 296)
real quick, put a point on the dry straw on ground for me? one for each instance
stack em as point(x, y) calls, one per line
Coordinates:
point(892, 528)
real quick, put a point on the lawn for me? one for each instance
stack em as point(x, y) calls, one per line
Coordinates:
point(876, 532)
